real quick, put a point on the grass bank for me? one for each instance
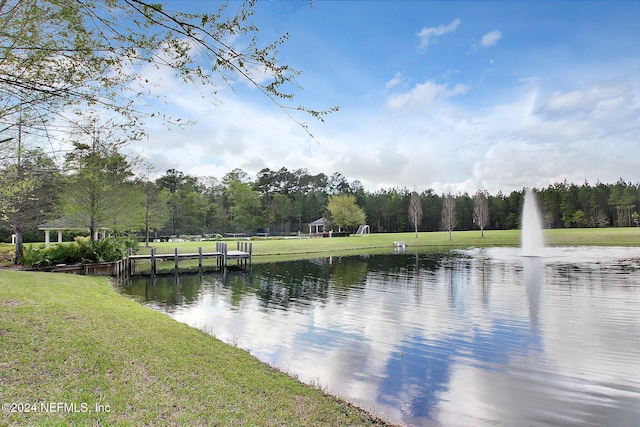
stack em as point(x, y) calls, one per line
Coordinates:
point(270, 249)
point(78, 353)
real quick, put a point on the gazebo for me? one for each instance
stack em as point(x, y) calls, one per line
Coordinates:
point(318, 225)
point(68, 223)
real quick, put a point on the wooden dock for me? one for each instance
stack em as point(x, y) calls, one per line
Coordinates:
point(222, 255)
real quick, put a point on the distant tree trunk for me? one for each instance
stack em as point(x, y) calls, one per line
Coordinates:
point(19, 246)
point(449, 214)
point(415, 211)
point(481, 210)
point(146, 226)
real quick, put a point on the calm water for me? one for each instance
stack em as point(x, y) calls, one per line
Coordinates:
point(479, 337)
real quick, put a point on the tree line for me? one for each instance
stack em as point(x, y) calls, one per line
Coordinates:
point(104, 188)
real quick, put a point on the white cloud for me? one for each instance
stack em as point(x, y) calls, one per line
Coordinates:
point(424, 94)
point(491, 38)
point(525, 145)
point(419, 137)
point(422, 138)
point(427, 33)
point(397, 79)
point(597, 97)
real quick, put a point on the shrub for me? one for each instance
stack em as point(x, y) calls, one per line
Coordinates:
point(81, 251)
point(60, 254)
point(33, 256)
point(113, 248)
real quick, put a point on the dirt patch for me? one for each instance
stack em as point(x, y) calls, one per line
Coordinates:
point(9, 303)
point(6, 258)
point(11, 266)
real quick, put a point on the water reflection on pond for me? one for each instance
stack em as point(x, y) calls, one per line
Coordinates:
point(474, 337)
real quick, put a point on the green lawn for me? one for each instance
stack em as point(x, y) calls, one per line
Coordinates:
point(67, 339)
point(268, 249)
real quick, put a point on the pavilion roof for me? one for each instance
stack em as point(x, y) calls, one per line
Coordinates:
point(68, 223)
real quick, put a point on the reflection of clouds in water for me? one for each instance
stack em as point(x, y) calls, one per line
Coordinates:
point(469, 338)
point(491, 397)
point(582, 302)
point(432, 362)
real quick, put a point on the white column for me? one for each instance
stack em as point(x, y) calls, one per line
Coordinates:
point(59, 236)
point(46, 239)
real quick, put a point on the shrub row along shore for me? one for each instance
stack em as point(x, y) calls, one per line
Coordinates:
point(75, 352)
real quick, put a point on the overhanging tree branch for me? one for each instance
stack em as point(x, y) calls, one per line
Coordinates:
point(81, 53)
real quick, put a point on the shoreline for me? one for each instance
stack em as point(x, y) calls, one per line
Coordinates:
point(75, 342)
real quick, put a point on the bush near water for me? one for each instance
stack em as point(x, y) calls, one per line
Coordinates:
point(81, 251)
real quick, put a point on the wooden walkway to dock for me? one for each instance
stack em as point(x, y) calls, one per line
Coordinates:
point(222, 255)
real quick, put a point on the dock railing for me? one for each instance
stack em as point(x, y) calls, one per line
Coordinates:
point(222, 255)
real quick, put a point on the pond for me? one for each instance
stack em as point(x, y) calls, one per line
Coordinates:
point(475, 337)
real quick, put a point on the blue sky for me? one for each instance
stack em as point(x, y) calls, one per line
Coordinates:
point(447, 95)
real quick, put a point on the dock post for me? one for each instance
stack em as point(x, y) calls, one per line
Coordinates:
point(153, 261)
point(175, 257)
point(199, 257)
point(127, 266)
point(224, 255)
point(218, 257)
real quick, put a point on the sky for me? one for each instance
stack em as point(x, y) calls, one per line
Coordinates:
point(452, 96)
